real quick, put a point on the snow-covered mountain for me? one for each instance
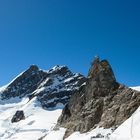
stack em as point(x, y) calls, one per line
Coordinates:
point(37, 99)
point(50, 87)
point(41, 95)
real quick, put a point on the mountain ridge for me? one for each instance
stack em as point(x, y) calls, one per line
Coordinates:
point(49, 83)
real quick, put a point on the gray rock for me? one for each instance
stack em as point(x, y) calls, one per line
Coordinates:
point(25, 83)
point(19, 115)
point(101, 102)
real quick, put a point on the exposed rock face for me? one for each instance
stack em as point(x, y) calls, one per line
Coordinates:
point(58, 87)
point(19, 115)
point(51, 87)
point(101, 102)
point(25, 83)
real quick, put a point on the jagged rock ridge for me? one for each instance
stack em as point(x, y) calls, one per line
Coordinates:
point(102, 102)
point(50, 87)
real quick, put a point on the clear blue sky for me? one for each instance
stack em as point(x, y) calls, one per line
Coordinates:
point(70, 32)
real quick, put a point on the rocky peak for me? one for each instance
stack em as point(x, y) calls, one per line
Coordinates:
point(101, 71)
point(24, 83)
point(58, 87)
point(61, 70)
point(33, 68)
point(94, 67)
point(101, 102)
point(101, 78)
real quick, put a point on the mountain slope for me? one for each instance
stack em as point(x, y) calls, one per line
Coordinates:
point(38, 122)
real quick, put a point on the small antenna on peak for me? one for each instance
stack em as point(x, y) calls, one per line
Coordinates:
point(96, 57)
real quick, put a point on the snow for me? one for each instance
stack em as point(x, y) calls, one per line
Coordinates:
point(68, 79)
point(3, 88)
point(15, 78)
point(55, 68)
point(136, 88)
point(129, 130)
point(59, 134)
point(54, 99)
point(56, 135)
point(39, 90)
point(38, 122)
point(59, 83)
point(44, 82)
point(90, 135)
point(83, 84)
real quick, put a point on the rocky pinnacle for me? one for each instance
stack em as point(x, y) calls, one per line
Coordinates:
point(101, 102)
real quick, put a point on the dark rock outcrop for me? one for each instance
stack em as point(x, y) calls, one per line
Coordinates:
point(25, 83)
point(19, 115)
point(102, 102)
point(50, 87)
point(58, 87)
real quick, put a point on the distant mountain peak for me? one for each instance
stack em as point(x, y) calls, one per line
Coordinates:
point(51, 85)
point(33, 67)
point(59, 69)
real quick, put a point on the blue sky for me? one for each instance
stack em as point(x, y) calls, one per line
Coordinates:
point(70, 32)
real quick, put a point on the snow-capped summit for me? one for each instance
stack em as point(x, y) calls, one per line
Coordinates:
point(57, 68)
point(51, 87)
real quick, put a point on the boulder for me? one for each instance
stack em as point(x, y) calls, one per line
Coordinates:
point(19, 115)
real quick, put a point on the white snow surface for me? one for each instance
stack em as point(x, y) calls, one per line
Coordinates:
point(58, 135)
point(3, 88)
point(136, 88)
point(129, 130)
point(38, 122)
